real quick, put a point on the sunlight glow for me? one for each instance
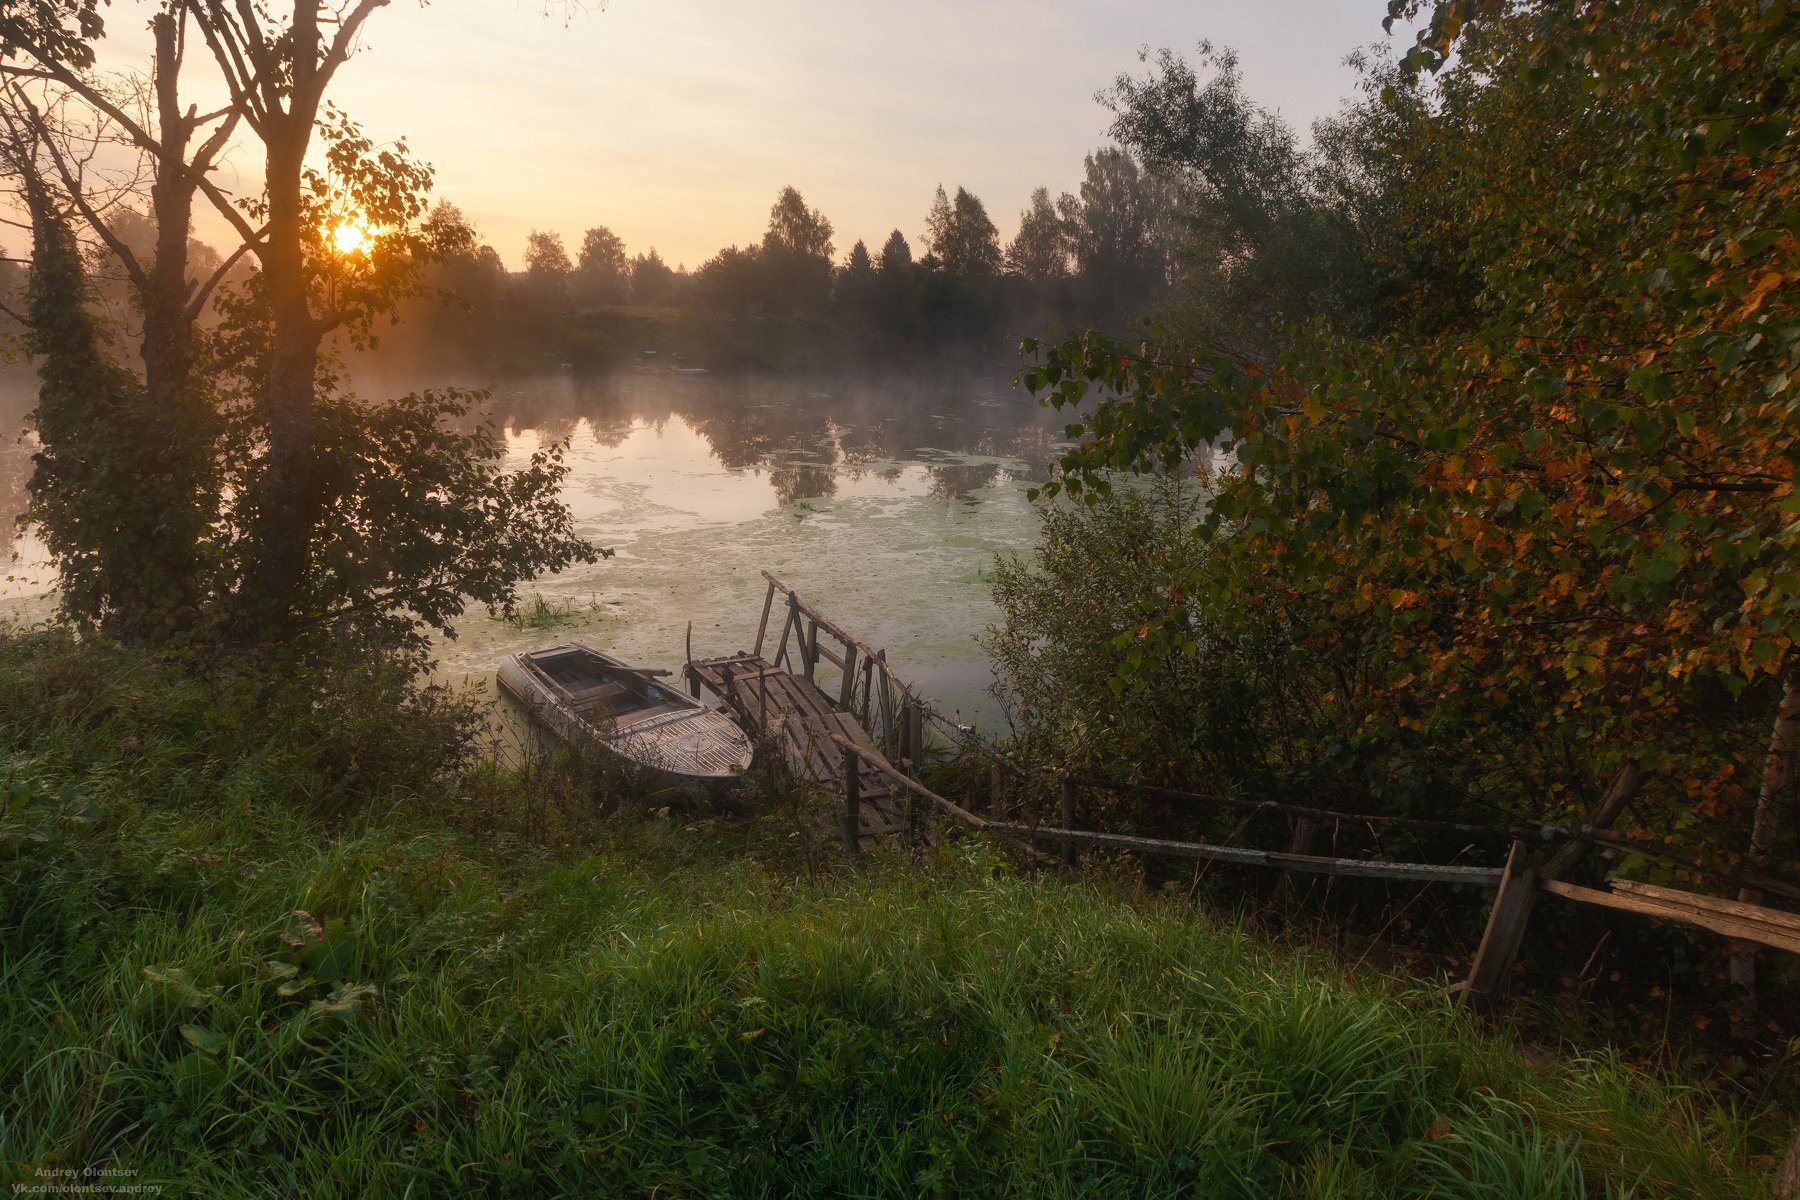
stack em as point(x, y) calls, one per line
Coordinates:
point(352, 238)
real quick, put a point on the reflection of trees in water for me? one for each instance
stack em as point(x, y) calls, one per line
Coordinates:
point(797, 480)
point(954, 481)
point(739, 438)
point(807, 440)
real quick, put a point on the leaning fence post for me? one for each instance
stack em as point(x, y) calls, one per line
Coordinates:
point(852, 804)
point(1491, 972)
point(1068, 817)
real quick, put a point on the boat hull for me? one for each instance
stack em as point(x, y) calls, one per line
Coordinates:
point(585, 697)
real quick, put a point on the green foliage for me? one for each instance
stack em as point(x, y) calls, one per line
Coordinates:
point(1073, 613)
point(417, 517)
point(1560, 516)
point(961, 237)
point(547, 270)
point(603, 274)
point(58, 30)
point(123, 486)
point(203, 985)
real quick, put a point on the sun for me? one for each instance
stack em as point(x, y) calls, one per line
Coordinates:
point(351, 238)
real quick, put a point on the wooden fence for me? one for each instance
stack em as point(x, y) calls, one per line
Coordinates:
point(894, 713)
point(1516, 884)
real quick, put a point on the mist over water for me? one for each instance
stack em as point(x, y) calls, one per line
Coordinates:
point(882, 501)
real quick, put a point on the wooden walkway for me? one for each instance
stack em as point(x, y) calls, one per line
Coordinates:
point(793, 714)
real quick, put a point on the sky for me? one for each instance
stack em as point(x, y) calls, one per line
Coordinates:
point(676, 122)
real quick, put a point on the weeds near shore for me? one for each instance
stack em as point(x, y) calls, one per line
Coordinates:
point(208, 983)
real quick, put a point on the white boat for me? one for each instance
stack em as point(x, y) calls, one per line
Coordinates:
point(584, 696)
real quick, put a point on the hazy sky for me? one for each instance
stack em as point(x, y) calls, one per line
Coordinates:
point(676, 122)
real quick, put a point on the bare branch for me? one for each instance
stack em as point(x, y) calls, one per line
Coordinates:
point(72, 183)
point(197, 302)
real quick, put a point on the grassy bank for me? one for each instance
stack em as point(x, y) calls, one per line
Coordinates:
point(230, 968)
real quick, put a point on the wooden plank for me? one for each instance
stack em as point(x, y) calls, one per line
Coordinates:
point(1730, 926)
point(830, 627)
point(1491, 973)
point(1657, 850)
point(895, 777)
point(1713, 904)
point(762, 626)
point(887, 703)
point(1300, 810)
point(1363, 868)
point(762, 703)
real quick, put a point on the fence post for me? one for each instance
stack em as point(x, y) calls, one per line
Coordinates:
point(1491, 972)
point(911, 729)
point(1068, 817)
point(852, 805)
point(847, 692)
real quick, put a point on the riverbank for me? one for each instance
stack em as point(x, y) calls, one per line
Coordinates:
point(257, 949)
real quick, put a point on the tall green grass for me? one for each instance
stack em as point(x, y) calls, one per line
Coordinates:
point(211, 981)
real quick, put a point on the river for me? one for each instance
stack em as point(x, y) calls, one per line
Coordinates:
point(883, 502)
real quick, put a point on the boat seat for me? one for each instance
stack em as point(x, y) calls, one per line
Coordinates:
point(600, 697)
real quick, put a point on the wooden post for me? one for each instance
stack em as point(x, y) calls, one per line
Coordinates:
point(810, 650)
point(787, 626)
point(868, 704)
point(852, 805)
point(1491, 973)
point(910, 729)
point(848, 691)
point(762, 626)
point(1068, 817)
point(762, 701)
point(889, 740)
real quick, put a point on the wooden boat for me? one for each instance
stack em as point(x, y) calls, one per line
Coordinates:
point(582, 695)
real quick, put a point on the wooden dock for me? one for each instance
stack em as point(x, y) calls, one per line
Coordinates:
point(793, 714)
point(860, 739)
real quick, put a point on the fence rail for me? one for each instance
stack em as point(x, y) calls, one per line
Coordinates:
point(893, 712)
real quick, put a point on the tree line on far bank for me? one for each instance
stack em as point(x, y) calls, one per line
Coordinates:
point(1095, 257)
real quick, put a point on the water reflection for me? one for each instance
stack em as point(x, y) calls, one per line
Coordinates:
point(884, 501)
point(805, 441)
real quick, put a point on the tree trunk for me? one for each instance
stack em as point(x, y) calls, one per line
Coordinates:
point(178, 425)
point(285, 500)
point(1765, 824)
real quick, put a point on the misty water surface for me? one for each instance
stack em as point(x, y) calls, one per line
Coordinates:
point(883, 502)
